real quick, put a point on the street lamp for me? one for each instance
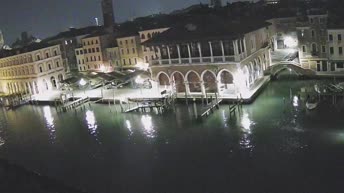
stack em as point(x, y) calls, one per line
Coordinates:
point(82, 83)
point(140, 82)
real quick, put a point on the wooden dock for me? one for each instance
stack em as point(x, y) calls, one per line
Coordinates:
point(207, 110)
point(74, 104)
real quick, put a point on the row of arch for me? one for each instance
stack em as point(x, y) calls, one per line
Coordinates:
point(223, 82)
point(35, 87)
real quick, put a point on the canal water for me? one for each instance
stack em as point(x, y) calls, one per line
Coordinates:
point(273, 145)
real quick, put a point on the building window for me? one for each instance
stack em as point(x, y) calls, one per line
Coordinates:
point(120, 42)
point(40, 69)
point(339, 37)
point(340, 50)
point(89, 50)
point(133, 50)
point(91, 58)
point(84, 43)
point(124, 62)
point(93, 50)
point(132, 41)
point(126, 42)
point(77, 52)
point(318, 66)
point(314, 48)
point(83, 61)
point(143, 36)
point(122, 51)
point(95, 58)
point(128, 51)
point(79, 61)
point(129, 61)
point(146, 58)
point(313, 33)
point(98, 50)
point(96, 41)
point(340, 65)
point(88, 66)
point(55, 52)
point(311, 20)
point(99, 58)
point(331, 50)
point(49, 66)
point(38, 57)
point(330, 37)
point(80, 68)
point(323, 49)
point(304, 49)
point(85, 51)
point(81, 52)
point(86, 59)
point(135, 61)
point(57, 64)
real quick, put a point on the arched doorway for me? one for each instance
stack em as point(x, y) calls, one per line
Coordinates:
point(246, 73)
point(53, 82)
point(226, 83)
point(164, 81)
point(209, 80)
point(194, 82)
point(178, 82)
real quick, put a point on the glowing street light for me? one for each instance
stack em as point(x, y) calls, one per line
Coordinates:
point(82, 83)
point(140, 82)
point(290, 42)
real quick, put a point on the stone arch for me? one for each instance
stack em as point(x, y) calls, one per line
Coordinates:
point(226, 82)
point(209, 80)
point(149, 36)
point(163, 79)
point(194, 81)
point(53, 82)
point(178, 82)
point(251, 72)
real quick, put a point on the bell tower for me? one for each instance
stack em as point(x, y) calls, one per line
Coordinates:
point(108, 14)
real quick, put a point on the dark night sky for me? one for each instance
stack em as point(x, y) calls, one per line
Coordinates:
point(43, 18)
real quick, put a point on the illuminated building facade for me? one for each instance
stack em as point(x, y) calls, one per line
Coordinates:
point(130, 51)
point(219, 57)
point(92, 55)
point(36, 69)
point(313, 42)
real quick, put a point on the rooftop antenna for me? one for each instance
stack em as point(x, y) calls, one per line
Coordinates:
point(97, 21)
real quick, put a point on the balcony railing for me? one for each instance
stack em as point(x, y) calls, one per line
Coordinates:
point(198, 60)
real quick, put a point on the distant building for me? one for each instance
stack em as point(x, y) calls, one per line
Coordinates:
point(130, 51)
point(34, 69)
point(271, 2)
point(148, 52)
point(69, 41)
point(211, 55)
point(313, 42)
point(93, 56)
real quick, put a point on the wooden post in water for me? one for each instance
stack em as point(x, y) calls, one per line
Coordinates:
point(216, 100)
point(186, 98)
point(195, 108)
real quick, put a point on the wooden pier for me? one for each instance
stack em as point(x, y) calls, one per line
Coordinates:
point(143, 108)
point(208, 109)
point(74, 104)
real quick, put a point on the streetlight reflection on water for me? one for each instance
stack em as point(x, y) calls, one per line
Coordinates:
point(49, 119)
point(246, 124)
point(148, 126)
point(91, 122)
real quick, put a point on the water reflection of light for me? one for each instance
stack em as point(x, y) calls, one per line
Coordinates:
point(295, 101)
point(49, 119)
point(246, 123)
point(91, 122)
point(128, 124)
point(148, 125)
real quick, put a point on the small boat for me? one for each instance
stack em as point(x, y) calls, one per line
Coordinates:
point(311, 103)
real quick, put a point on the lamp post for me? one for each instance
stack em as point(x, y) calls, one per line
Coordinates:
point(140, 82)
point(82, 83)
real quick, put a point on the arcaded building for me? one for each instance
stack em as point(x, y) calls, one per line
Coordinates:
point(36, 69)
point(205, 55)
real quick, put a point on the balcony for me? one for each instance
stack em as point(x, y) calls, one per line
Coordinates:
point(197, 60)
